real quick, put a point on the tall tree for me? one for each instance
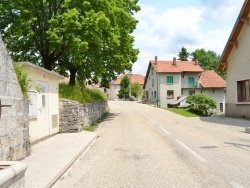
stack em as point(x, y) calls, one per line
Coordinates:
point(183, 54)
point(208, 60)
point(124, 87)
point(136, 89)
point(90, 39)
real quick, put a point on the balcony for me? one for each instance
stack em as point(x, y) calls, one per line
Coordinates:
point(191, 86)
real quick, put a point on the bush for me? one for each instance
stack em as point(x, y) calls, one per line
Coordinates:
point(23, 79)
point(201, 104)
point(80, 93)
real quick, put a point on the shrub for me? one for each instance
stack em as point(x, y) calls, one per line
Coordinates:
point(23, 79)
point(80, 94)
point(201, 104)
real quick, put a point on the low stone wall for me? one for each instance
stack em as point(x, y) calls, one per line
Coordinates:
point(74, 117)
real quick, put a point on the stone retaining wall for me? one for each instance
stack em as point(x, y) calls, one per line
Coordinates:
point(74, 117)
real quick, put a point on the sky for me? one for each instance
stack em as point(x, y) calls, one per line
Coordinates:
point(165, 26)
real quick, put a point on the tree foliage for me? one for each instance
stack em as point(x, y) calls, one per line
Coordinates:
point(183, 55)
point(124, 87)
point(208, 60)
point(201, 104)
point(90, 39)
point(136, 89)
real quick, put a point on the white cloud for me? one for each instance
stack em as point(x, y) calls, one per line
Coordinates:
point(163, 33)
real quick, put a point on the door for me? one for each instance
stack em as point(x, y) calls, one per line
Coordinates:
point(43, 109)
point(191, 82)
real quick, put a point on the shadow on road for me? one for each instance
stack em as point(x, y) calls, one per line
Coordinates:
point(229, 121)
point(111, 116)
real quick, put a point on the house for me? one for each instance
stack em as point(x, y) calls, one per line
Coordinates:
point(167, 83)
point(112, 92)
point(44, 101)
point(235, 60)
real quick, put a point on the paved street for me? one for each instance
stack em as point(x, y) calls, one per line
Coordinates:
point(144, 146)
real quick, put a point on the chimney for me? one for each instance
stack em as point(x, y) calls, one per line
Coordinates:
point(156, 60)
point(196, 62)
point(174, 61)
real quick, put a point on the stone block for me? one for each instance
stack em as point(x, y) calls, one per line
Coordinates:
point(5, 142)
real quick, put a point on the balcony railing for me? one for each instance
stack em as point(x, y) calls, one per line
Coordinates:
point(191, 85)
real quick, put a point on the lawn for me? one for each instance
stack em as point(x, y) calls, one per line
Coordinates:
point(183, 112)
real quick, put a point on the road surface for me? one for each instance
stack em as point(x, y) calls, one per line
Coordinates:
point(144, 146)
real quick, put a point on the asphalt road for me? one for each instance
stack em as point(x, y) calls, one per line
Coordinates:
point(144, 146)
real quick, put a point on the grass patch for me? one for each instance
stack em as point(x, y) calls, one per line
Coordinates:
point(80, 93)
point(183, 112)
point(94, 126)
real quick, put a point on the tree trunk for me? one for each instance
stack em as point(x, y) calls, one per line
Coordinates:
point(72, 79)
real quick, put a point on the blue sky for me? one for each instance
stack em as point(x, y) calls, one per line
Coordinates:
point(167, 25)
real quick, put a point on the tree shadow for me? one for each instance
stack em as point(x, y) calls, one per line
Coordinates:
point(228, 121)
point(111, 116)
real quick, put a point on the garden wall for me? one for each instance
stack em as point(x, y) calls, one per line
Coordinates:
point(74, 117)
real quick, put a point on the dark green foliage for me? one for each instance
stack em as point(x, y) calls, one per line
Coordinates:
point(124, 87)
point(80, 94)
point(201, 104)
point(23, 79)
point(90, 39)
point(183, 54)
point(136, 90)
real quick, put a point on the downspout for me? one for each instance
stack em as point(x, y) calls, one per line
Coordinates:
point(158, 99)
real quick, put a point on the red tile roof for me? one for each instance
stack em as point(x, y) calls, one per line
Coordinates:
point(210, 79)
point(181, 66)
point(134, 78)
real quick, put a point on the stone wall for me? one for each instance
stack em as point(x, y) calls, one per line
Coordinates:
point(74, 117)
point(14, 121)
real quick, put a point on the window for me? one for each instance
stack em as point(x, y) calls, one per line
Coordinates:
point(191, 92)
point(152, 71)
point(170, 80)
point(221, 107)
point(153, 82)
point(155, 94)
point(243, 91)
point(170, 94)
point(152, 95)
point(32, 104)
point(191, 82)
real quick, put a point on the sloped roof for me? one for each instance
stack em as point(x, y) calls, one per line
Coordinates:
point(233, 38)
point(181, 66)
point(134, 78)
point(210, 79)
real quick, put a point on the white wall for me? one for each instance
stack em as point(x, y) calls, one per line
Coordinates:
point(53, 104)
point(238, 69)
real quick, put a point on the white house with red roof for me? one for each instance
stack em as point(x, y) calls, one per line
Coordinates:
point(168, 83)
point(112, 92)
point(235, 59)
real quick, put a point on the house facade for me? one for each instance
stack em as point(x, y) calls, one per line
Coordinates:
point(113, 91)
point(43, 101)
point(235, 60)
point(167, 82)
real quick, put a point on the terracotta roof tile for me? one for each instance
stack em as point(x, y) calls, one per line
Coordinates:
point(210, 79)
point(134, 78)
point(181, 66)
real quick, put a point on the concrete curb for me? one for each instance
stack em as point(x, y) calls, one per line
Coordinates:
point(59, 174)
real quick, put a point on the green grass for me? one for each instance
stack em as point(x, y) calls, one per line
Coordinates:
point(80, 94)
point(183, 112)
point(93, 127)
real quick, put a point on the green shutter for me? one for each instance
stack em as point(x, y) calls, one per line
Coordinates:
point(170, 79)
point(191, 82)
